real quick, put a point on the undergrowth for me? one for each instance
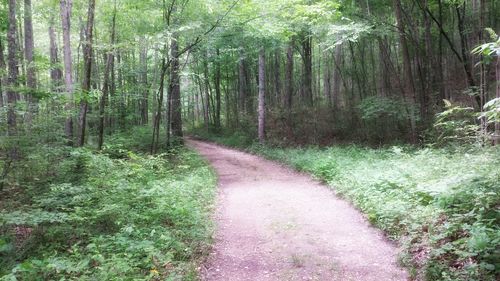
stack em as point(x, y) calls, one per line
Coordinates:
point(441, 205)
point(111, 215)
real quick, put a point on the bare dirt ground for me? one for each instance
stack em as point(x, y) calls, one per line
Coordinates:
point(277, 224)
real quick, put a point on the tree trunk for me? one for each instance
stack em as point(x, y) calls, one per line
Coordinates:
point(289, 76)
point(497, 124)
point(3, 71)
point(106, 85)
point(157, 118)
point(87, 72)
point(55, 71)
point(13, 74)
point(217, 92)
point(242, 83)
point(277, 78)
point(28, 53)
point(409, 85)
point(175, 92)
point(338, 101)
point(66, 6)
point(307, 80)
point(143, 61)
point(262, 96)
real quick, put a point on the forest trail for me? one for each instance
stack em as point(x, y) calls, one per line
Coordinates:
point(277, 224)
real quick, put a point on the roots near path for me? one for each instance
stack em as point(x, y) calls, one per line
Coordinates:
point(276, 224)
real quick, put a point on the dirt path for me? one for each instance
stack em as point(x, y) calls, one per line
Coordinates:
point(276, 224)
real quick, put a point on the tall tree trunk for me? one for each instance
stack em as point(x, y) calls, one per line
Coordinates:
point(217, 92)
point(12, 75)
point(106, 85)
point(208, 90)
point(242, 83)
point(338, 101)
point(277, 78)
point(409, 85)
point(66, 6)
point(262, 96)
point(307, 58)
point(157, 118)
point(497, 124)
point(3, 72)
point(289, 76)
point(55, 70)
point(87, 72)
point(28, 53)
point(175, 92)
point(143, 61)
point(326, 79)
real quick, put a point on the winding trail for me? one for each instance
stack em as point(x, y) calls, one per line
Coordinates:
point(277, 224)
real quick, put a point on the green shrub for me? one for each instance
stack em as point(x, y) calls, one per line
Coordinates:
point(103, 217)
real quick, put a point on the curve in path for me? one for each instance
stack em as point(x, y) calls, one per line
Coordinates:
point(276, 224)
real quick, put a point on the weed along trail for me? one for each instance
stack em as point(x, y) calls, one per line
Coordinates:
point(276, 224)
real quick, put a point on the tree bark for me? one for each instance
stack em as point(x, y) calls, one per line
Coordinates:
point(262, 97)
point(55, 71)
point(217, 92)
point(175, 92)
point(106, 85)
point(143, 61)
point(337, 98)
point(409, 85)
point(497, 124)
point(3, 71)
point(65, 7)
point(13, 74)
point(30, 67)
point(289, 76)
point(307, 59)
point(242, 83)
point(87, 72)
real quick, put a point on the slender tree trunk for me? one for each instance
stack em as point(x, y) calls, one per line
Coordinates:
point(12, 75)
point(326, 79)
point(497, 124)
point(66, 6)
point(28, 53)
point(106, 85)
point(277, 78)
point(242, 83)
point(208, 89)
point(307, 80)
point(217, 93)
point(143, 61)
point(157, 119)
point(175, 92)
point(3, 76)
point(289, 76)
point(262, 96)
point(87, 74)
point(338, 101)
point(55, 71)
point(409, 85)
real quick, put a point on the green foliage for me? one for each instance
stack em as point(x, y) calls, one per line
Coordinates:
point(104, 217)
point(456, 124)
point(491, 111)
point(373, 108)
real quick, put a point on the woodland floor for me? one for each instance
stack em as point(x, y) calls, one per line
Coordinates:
point(276, 224)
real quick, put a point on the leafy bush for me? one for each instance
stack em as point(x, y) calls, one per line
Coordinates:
point(105, 218)
point(456, 125)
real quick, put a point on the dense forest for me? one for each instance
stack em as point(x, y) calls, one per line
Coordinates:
point(96, 98)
